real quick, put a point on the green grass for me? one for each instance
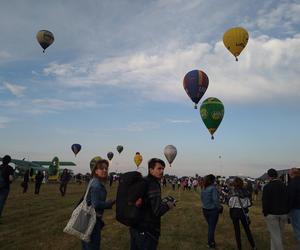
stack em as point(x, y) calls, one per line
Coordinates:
point(36, 222)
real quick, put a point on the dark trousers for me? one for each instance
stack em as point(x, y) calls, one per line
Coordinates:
point(142, 240)
point(37, 188)
point(211, 217)
point(95, 242)
point(63, 188)
point(3, 196)
point(237, 215)
point(25, 187)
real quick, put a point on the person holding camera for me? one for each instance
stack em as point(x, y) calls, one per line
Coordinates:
point(145, 235)
point(239, 204)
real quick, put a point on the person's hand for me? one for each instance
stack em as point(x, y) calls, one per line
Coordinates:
point(171, 204)
point(111, 202)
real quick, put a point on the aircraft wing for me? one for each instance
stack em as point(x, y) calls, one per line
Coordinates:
point(61, 163)
point(27, 164)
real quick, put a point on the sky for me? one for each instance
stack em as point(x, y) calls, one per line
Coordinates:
point(114, 76)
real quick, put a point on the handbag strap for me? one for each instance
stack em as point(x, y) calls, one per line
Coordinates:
point(87, 190)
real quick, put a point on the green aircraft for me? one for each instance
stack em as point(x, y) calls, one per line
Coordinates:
point(53, 169)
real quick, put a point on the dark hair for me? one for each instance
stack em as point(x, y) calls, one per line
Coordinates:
point(99, 165)
point(272, 173)
point(208, 180)
point(238, 182)
point(152, 162)
point(6, 159)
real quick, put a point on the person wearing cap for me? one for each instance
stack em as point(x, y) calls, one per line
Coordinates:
point(294, 201)
point(275, 208)
point(6, 177)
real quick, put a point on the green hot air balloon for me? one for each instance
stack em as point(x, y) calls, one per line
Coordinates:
point(120, 148)
point(212, 112)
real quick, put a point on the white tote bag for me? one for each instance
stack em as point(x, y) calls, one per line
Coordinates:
point(83, 219)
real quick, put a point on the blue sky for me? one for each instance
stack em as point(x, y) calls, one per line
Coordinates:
point(114, 76)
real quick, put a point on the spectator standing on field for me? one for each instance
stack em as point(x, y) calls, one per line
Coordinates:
point(275, 208)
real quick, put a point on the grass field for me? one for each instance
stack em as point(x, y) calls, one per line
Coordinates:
point(36, 222)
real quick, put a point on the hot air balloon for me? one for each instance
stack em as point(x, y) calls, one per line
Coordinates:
point(170, 153)
point(235, 40)
point(138, 159)
point(195, 83)
point(45, 38)
point(93, 162)
point(119, 148)
point(212, 112)
point(76, 148)
point(110, 155)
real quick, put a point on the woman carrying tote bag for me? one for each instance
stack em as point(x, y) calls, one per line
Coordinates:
point(238, 208)
point(96, 197)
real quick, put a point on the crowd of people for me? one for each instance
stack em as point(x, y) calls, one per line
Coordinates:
point(280, 203)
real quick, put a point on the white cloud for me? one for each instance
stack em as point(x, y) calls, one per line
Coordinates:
point(16, 90)
point(4, 55)
point(178, 121)
point(4, 121)
point(284, 16)
point(56, 105)
point(268, 69)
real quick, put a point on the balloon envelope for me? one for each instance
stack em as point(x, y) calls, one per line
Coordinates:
point(110, 155)
point(235, 40)
point(138, 159)
point(195, 84)
point(93, 162)
point(170, 153)
point(45, 38)
point(212, 112)
point(120, 148)
point(76, 148)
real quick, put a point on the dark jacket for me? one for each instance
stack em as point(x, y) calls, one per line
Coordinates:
point(6, 171)
point(275, 198)
point(294, 193)
point(97, 197)
point(153, 208)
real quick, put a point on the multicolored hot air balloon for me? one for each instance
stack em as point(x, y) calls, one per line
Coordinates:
point(110, 155)
point(212, 112)
point(93, 162)
point(45, 38)
point(195, 83)
point(138, 159)
point(235, 40)
point(170, 153)
point(120, 148)
point(76, 148)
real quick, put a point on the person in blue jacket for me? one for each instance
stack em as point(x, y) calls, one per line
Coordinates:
point(97, 198)
point(211, 206)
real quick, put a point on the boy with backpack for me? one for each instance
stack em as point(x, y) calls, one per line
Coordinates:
point(6, 177)
point(139, 205)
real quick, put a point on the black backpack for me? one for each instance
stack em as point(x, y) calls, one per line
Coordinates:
point(130, 198)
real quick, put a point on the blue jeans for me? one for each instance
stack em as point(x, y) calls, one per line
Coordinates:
point(295, 219)
point(211, 217)
point(3, 196)
point(95, 242)
point(142, 240)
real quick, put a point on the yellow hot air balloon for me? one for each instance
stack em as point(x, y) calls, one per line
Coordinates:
point(45, 38)
point(138, 159)
point(235, 40)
